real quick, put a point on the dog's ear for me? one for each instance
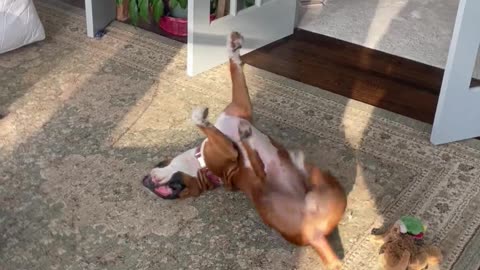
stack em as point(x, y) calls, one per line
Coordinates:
point(194, 186)
point(163, 163)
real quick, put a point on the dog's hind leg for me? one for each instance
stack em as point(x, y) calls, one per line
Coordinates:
point(241, 105)
point(325, 205)
point(321, 245)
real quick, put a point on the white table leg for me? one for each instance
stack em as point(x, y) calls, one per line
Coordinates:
point(458, 111)
point(99, 14)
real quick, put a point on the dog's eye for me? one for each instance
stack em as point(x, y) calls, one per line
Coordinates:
point(163, 163)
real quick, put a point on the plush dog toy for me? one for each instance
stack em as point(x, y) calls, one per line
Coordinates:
point(404, 248)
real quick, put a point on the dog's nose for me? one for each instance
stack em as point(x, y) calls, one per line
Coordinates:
point(147, 182)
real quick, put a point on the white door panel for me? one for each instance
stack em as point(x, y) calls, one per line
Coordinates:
point(260, 25)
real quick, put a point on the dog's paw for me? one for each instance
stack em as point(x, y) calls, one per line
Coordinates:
point(235, 41)
point(244, 130)
point(298, 159)
point(337, 265)
point(199, 116)
point(234, 44)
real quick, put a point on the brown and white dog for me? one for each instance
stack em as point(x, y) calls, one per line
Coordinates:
point(298, 200)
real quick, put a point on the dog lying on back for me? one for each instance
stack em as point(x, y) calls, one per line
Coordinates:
point(298, 200)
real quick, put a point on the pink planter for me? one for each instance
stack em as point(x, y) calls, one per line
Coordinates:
point(176, 26)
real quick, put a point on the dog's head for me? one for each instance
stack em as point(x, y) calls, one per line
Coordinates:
point(169, 183)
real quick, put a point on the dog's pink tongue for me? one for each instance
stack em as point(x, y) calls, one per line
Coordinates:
point(163, 191)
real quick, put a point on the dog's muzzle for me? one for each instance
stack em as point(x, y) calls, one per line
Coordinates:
point(171, 190)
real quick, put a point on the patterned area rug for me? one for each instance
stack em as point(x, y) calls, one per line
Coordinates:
point(86, 119)
point(312, 2)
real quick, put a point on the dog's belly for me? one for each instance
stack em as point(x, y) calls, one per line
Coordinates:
point(280, 175)
point(228, 125)
point(268, 153)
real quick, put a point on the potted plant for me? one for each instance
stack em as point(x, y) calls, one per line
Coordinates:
point(122, 10)
point(171, 15)
point(175, 20)
point(178, 8)
point(249, 3)
point(143, 9)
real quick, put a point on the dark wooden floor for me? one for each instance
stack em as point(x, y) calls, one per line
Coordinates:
point(376, 78)
point(386, 81)
point(77, 3)
point(383, 80)
point(153, 27)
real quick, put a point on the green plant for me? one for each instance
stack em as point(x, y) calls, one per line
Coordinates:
point(142, 9)
point(173, 3)
point(249, 3)
point(184, 3)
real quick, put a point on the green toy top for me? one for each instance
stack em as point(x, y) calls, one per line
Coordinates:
point(411, 225)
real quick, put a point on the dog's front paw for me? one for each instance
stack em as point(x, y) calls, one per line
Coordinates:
point(336, 265)
point(199, 116)
point(234, 44)
point(244, 130)
point(298, 159)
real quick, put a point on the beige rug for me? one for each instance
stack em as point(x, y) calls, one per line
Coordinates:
point(87, 118)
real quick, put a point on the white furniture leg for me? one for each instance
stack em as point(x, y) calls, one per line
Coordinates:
point(99, 14)
point(458, 111)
